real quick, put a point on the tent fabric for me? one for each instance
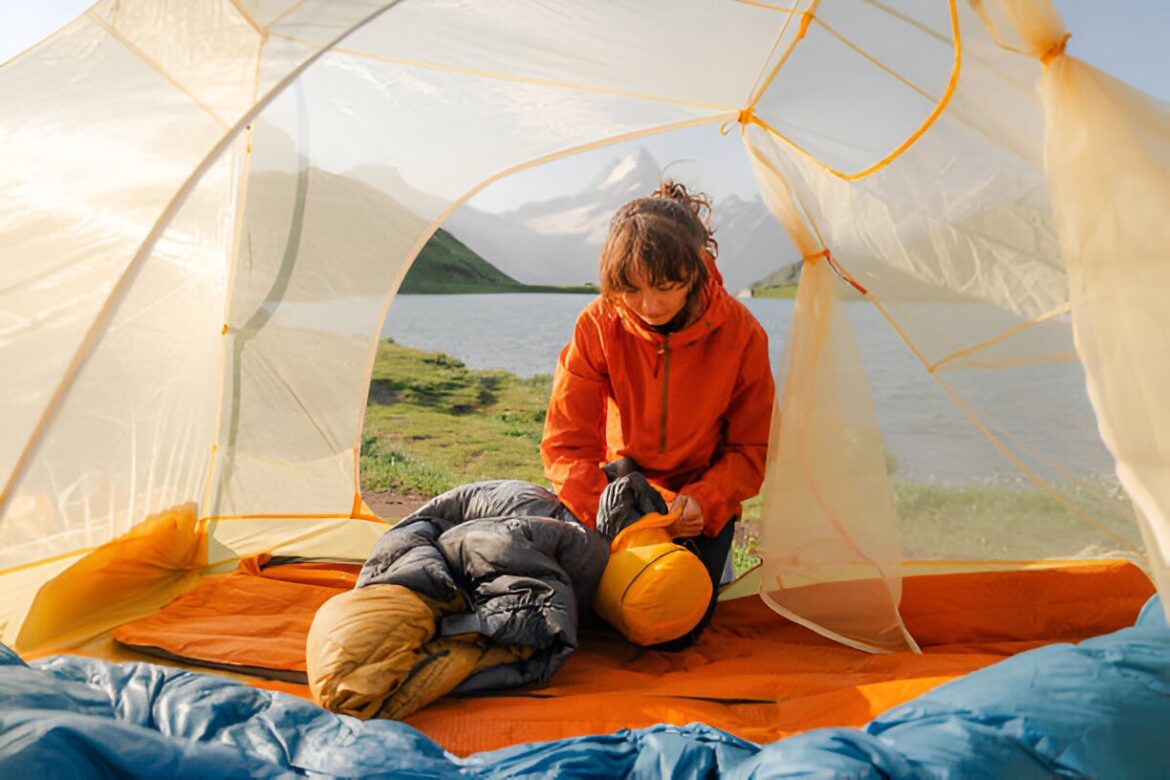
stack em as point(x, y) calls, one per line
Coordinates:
point(1108, 164)
point(193, 283)
point(194, 280)
point(751, 674)
point(1096, 709)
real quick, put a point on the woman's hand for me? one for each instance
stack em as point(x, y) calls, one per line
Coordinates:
point(690, 522)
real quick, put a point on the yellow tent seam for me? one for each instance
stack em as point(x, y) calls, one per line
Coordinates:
point(249, 19)
point(767, 163)
point(1036, 479)
point(995, 440)
point(771, 50)
point(939, 107)
point(156, 67)
point(234, 259)
point(1064, 308)
point(229, 289)
point(815, 627)
point(893, 73)
point(121, 287)
point(506, 77)
point(1057, 467)
point(936, 35)
point(292, 9)
point(993, 31)
point(809, 478)
point(908, 20)
point(808, 218)
point(1046, 57)
point(769, 6)
point(46, 561)
point(1041, 360)
point(805, 17)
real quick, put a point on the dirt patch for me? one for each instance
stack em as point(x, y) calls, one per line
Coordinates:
point(391, 506)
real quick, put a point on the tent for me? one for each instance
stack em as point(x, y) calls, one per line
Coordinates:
point(169, 266)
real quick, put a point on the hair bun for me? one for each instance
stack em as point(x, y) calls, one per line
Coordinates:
point(697, 203)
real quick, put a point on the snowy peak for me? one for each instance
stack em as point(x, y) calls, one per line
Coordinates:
point(557, 240)
point(637, 170)
point(586, 213)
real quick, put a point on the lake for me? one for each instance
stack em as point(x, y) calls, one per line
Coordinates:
point(1045, 407)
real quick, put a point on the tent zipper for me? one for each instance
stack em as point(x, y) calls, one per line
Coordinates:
point(665, 352)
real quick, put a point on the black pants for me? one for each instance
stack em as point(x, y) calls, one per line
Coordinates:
point(712, 551)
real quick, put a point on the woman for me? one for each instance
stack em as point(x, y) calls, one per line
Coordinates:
point(666, 374)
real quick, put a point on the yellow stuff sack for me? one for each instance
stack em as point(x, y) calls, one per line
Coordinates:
point(653, 590)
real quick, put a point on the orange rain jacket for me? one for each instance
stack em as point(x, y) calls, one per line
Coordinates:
point(692, 408)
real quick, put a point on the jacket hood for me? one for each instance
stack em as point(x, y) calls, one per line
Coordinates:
point(714, 312)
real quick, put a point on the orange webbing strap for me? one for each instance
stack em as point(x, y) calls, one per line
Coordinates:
point(330, 574)
point(1055, 50)
point(837, 269)
point(647, 530)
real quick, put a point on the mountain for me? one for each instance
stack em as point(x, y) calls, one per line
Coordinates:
point(751, 242)
point(585, 215)
point(557, 241)
point(787, 276)
point(445, 265)
point(354, 217)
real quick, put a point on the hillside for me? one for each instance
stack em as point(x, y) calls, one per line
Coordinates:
point(556, 240)
point(447, 266)
point(778, 284)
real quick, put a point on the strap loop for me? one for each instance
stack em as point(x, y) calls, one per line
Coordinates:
point(745, 118)
point(805, 19)
point(1056, 50)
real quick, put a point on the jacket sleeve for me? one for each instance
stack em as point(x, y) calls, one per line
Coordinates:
point(738, 472)
point(573, 445)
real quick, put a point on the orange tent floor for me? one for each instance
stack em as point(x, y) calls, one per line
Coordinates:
point(753, 673)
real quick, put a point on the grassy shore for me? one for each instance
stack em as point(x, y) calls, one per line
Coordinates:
point(433, 424)
point(787, 291)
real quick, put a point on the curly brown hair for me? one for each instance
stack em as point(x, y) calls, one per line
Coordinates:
point(665, 237)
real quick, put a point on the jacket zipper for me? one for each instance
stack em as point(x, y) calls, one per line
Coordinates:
point(665, 351)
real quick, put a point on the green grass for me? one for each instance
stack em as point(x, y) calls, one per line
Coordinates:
point(1009, 521)
point(788, 292)
point(446, 266)
point(783, 291)
point(990, 522)
point(433, 424)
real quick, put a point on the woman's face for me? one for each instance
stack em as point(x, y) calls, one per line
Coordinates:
point(654, 305)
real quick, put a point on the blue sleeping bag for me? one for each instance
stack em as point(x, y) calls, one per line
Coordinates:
point(1097, 709)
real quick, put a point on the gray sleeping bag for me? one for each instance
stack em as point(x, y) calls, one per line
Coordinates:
point(526, 573)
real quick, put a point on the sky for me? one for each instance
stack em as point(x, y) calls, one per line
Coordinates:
point(1126, 38)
